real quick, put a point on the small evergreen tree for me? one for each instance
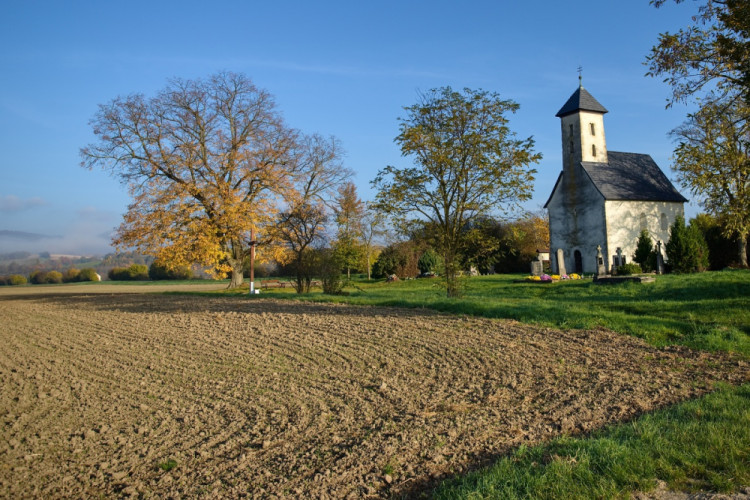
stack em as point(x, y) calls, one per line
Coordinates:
point(686, 249)
point(428, 262)
point(644, 252)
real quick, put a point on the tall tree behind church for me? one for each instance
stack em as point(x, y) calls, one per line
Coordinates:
point(467, 163)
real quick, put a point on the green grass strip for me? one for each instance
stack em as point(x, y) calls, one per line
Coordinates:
point(694, 446)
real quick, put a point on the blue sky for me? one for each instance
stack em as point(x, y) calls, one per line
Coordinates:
point(337, 68)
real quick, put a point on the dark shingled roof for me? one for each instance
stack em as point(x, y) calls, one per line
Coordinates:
point(631, 177)
point(581, 100)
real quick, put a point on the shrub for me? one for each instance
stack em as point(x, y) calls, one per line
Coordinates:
point(159, 271)
point(71, 275)
point(38, 277)
point(17, 279)
point(118, 274)
point(54, 277)
point(399, 259)
point(628, 269)
point(138, 272)
point(330, 272)
point(88, 274)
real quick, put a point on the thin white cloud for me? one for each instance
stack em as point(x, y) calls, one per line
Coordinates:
point(12, 203)
point(95, 58)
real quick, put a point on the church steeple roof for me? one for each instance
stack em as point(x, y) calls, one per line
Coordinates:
point(581, 100)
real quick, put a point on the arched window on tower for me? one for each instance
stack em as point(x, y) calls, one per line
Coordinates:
point(593, 150)
point(593, 130)
point(664, 223)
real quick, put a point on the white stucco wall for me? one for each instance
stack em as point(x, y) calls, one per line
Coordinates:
point(576, 221)
point(626, 219)
point(578, 136)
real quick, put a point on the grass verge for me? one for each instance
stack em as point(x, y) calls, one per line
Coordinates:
point(698, 445)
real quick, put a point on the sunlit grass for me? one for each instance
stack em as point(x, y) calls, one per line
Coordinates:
point(697, 445)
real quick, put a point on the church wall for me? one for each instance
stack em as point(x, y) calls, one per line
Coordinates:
point(626, 219)
point(577, 222)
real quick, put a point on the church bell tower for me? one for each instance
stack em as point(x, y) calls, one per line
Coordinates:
point(582, 122)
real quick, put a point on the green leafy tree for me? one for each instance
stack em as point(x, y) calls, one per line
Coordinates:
point(721, 249)
point(480, 246)
point(712, 53)
point(349, 212)
point(372, 229)
point(467, 163)
point(712, 159)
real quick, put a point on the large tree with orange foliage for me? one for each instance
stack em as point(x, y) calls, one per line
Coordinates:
point(206, 161)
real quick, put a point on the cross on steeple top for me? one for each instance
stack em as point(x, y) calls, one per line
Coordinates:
point(580, 76)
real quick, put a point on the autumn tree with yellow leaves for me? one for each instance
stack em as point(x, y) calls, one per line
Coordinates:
point(205, 161)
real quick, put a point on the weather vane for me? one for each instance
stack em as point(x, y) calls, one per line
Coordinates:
point(580, 76)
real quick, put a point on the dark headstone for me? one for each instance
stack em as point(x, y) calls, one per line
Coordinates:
point(537, 267)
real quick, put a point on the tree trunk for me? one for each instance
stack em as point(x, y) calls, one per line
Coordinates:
point(236, 273)
point(452, 286)
point(742, 244)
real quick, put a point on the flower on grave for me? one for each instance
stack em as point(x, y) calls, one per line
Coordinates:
point(556, 277)
point(545, 277)
point(532, 278)
point(574, 276)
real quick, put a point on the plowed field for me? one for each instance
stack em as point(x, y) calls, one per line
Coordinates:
point(158, 396)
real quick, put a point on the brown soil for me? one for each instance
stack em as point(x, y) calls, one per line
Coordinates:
point(270, 398)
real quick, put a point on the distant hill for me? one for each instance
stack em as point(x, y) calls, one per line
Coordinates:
point(25, 262)
point(24, 236)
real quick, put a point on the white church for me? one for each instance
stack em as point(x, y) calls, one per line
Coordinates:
point(603, 198)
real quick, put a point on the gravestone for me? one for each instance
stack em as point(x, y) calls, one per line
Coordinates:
point(561, 262)
point(659, 259)
point(537, 266)
point(600, 269)
point(619, 259)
